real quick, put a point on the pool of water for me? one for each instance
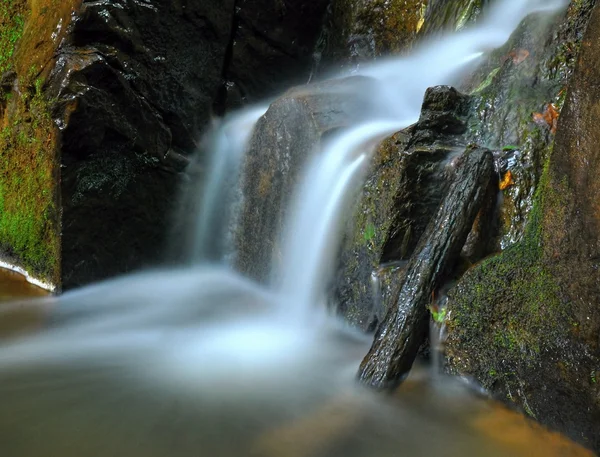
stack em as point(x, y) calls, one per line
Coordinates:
point(16, 318)
point(421, 418)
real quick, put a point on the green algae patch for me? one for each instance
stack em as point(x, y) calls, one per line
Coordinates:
point(29, 140)
point(511, 303)
point(12, 23)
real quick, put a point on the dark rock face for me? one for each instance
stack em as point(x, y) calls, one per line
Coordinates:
point(272, 47)
point(284, 139)
point(408, 179)
point(525, 323)
point(530, 72)
point(134, 86)
point(362, 30)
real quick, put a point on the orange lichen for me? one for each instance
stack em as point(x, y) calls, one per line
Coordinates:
point(507, 180)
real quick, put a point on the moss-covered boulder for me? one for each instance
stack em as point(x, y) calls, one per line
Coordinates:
point(525, 323)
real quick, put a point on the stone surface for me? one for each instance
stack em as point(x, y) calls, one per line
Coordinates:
point(404, 329)
point(521, 78)
point(408, 179)
point(284, 139)
point(362, 30)
point(134, 85)
point(525, 323)
point(272, 47)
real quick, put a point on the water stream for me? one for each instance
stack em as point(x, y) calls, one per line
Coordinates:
point(198, 360)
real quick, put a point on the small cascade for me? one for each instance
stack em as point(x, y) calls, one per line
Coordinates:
point(213, 212)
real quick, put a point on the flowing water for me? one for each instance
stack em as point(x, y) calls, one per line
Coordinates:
point(199, 360)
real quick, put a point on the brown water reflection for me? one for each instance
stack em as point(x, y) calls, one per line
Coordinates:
point(15, 318)
point(14, 286)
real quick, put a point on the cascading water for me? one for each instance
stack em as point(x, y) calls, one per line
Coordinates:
point(200, 360)
point(213, 212)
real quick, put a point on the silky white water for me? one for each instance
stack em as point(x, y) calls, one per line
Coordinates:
point(199, 360)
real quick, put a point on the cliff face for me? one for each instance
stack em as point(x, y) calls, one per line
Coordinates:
point(102, 102)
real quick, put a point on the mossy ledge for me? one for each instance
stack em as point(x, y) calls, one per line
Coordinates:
point(30, 33)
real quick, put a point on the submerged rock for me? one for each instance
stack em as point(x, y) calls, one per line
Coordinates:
point(525, 323)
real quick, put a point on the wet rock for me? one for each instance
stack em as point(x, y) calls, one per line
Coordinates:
point(525, 323)
point(408, 179)
point(531, 71)
point(284, 139)
point(360, 30)
point(272, 47)
point(399, 336)
point(134, 85)
point(450, 15)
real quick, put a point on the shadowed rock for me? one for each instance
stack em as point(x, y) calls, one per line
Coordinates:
point(409, 176)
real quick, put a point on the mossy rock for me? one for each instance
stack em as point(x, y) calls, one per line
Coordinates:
point(525, 323)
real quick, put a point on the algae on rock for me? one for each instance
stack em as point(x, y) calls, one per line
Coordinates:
point(29, 156)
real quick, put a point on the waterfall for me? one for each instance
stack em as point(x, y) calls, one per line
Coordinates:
point(174, 361)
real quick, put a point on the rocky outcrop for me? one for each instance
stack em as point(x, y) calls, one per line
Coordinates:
point(408, 179)
point(518, 93)
point(525, 323)
point(404, 329)
point(132, 97)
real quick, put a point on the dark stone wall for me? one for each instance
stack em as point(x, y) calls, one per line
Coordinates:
point(133, 87)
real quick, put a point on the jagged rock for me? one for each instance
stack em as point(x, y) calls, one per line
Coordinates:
point(399, 336)
point(525, 323)
point(408, 178)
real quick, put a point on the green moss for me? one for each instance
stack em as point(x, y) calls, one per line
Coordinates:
point(510, 304)
point(12, 23)
point(28, 212)
point(450, 14)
